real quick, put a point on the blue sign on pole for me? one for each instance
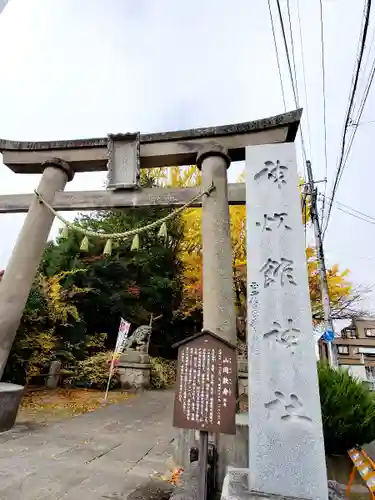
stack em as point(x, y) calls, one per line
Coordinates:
point(328, 335)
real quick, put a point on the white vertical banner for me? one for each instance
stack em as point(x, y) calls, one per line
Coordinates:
point(286, 448)
point(122, 336)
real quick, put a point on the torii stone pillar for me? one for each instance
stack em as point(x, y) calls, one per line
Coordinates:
point(219, 314)
point(23, 264)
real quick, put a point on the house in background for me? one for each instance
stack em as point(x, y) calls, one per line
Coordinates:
point(355, 346)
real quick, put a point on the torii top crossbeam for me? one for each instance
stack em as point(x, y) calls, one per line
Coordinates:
point(156, 150)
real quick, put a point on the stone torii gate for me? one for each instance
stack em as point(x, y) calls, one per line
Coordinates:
point(211, 149)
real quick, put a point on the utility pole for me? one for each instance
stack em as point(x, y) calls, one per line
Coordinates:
point(328, 324)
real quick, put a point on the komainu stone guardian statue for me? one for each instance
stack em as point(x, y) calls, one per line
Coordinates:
point(134, 367)
point(139, 339)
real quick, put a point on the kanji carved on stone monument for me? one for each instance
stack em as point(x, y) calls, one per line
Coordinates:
point(292, 408)
point(287, 337)
point(275, 220)
point(274, 171)
point(285, 429)
point(278, 271)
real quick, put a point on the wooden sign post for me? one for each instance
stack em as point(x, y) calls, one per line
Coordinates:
point(205, 397)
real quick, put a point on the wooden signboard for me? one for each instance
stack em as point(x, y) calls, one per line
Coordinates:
point(205, 396)
point(365, 467)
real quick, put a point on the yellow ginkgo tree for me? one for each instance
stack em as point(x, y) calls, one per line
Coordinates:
point(344, 299)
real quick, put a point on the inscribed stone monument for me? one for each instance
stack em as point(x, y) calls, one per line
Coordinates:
point(123, 161)
point(286, 450)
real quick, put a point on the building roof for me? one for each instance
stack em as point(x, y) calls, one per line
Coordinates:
point(200, 334)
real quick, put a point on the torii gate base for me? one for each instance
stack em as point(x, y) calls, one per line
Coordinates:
point(10, 399)
point(212, 149)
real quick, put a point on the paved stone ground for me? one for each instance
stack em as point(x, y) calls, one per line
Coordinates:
point(105, 454)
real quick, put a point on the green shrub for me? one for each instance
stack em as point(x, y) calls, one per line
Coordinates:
point(93, 372)
point(348, 410)
point(163, 373)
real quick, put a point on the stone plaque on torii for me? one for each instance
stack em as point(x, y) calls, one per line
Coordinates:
point(212, 149)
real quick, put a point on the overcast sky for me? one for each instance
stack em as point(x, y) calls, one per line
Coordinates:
point(74, 69)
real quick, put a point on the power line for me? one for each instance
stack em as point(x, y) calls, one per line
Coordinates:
point(324, 101)
point(294, 87)
point(369, 52)
point(362, 123)
point(304, 77)
point(347, 114)
point(357, 213)
point(292, 45)
point(287, 52)
point(357, 56)
point(277, 54)
point(339, 169)
point(352, 97)
point(356, 70)
point(350, 208)
point(359, 115)
point(354, 215)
